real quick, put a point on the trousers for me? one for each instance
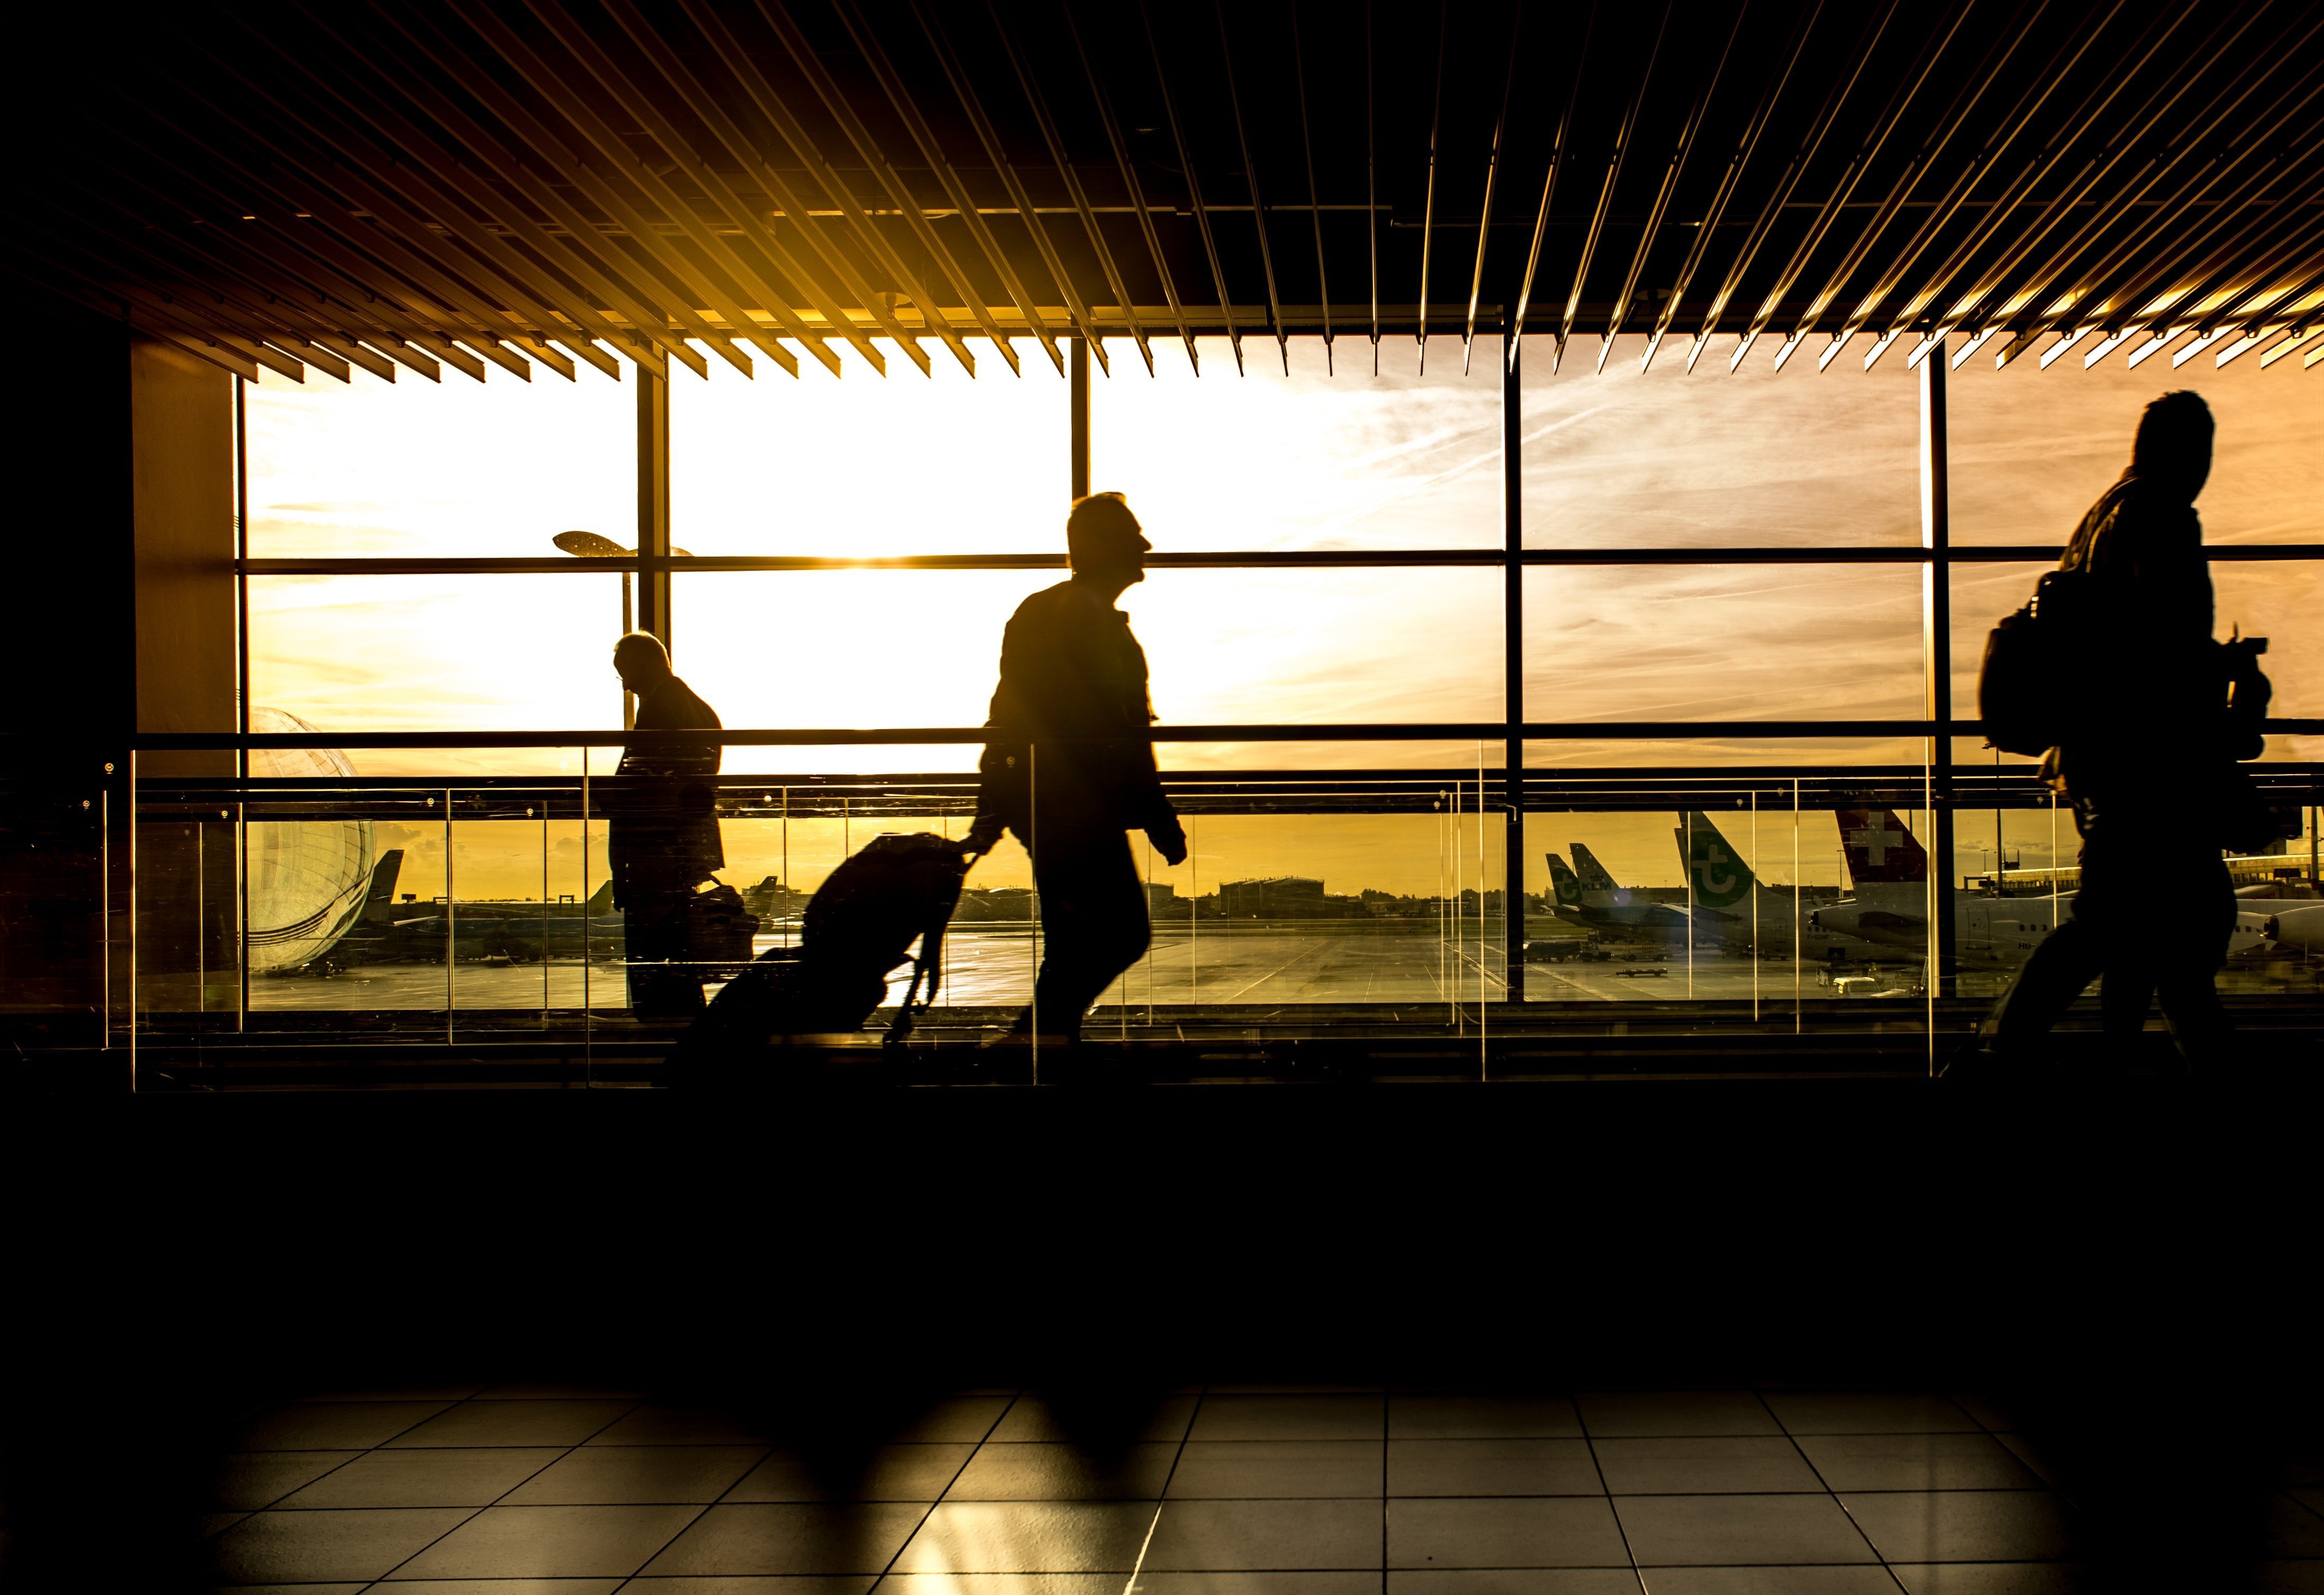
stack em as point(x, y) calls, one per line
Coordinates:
point(1093, 921)
point(656, 933)
point(2152, 917)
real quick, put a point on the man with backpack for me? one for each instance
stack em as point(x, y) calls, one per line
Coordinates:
point(2150, 716)
point(661, 835)
point(1069, 770)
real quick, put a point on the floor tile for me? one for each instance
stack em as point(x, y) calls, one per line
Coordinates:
point(966, 1418)
point(2031, 1455)
point(1346, 1582)
point(302, 1547)
point(1818, 1412)
point(2292, 1529)
point(514, 1423)
point(1624, 1412)
point(459, 1392)
point(1002, 1583)
point(790, 1537)
point(1249, 1469)
point(2289, 1577)
point(337, 1425)
point(1733, 1464)
point(1480, 1417)
point(678, 1425)
point(507, 1586)
point(249, 1479)
point(1491, 1467)
point(1268, 1389)
point(353, 1589)
point(467, 1477)
point(1916, 1461)
point(551, 1542)
point(1985, 1410)
point(1988, 1578)
point(777, 1584)
point(1033, 1419)
point(1035, 1470)
point(1235, 1535)
point(1030, 1536)
point(1862, 1579)
point(1964, 1524)
point(1555, 1580)
point(1289, 1418)
point(540, 1392)
point(592, 1475)
point(1729, 1530)
point(213, 1523)
point(891, 1473)
point(2309, 1496)
point(1504, 1533)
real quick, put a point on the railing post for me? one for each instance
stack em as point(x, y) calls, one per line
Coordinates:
point(1936, 667)
point(1513, 918)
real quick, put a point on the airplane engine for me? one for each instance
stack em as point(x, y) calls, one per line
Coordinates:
point(2294, 927)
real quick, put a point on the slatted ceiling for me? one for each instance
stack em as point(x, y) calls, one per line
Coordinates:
point(408, 185)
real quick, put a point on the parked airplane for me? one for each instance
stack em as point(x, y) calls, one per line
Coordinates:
point(410, 931)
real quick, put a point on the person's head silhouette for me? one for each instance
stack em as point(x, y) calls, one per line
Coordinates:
point(1106, 544)
point(2173, 447)
point(642, 662)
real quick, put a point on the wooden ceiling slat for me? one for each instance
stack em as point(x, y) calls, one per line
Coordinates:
point(1131, 187)
point(752, 160)
point(964, 202)
point(1623, 140)
point(1560, 157)
point(546, 82)
point(1314, 198)
point(1258, 206)
point(989, 137)
point(899, 192)
point(1194, 204)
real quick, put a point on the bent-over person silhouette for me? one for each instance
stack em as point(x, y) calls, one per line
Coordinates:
point(1069, 769)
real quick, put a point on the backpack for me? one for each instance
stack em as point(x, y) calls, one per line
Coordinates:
point(860, 925)
point(2025, 686)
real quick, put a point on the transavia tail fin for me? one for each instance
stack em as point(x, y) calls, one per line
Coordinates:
point(1561, 880)
point(1593, 874)
point(1880, 849)
point(379, 901)
point(1716, 875)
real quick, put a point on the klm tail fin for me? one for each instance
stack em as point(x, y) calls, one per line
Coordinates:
point(1563, 883)
point(601, 901)
point(1593, 874)
point(1880, 851)
point(1716, 874)
point(379, 901)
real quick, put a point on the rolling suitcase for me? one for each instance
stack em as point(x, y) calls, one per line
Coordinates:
point(860, 925)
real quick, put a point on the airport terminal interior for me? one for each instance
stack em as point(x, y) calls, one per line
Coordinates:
point(1554, 1130)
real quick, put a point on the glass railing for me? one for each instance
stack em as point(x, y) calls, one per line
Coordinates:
point(1740, 917)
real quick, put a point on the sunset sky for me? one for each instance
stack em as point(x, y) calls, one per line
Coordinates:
point(1258, 461)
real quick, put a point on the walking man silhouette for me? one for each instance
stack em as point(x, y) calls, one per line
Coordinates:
point(662, 837)
point(2149, 764)
point(1069, 770)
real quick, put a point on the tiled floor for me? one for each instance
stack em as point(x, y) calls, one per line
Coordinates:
point(514, 1490)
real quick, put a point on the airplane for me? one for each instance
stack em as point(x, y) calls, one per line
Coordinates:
point(1718, 904)
point(410, 931)
point(1891, 902)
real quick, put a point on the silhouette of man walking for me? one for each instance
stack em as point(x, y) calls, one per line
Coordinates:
point(1070, 770)
point(2149, 765)
point(662, 835)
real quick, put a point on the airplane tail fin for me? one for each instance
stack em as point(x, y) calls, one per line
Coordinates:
point(378, 899)
point(1716, 875)
point(1593, 874)
point(601, 901)
point(1880, 849)
point(1563, 883)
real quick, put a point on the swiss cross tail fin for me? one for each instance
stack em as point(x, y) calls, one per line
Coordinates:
point(1716, 875)
point(1881, 851)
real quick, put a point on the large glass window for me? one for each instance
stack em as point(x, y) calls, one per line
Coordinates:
point(1313, 459)
point(457, 469)
point(864, 466)
point(1671, 458)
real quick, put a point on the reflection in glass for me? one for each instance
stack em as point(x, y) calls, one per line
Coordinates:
point(2030, 449)
point(1757, 457)
point(866, 464)
point(1262, 460)
point(450, 469)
